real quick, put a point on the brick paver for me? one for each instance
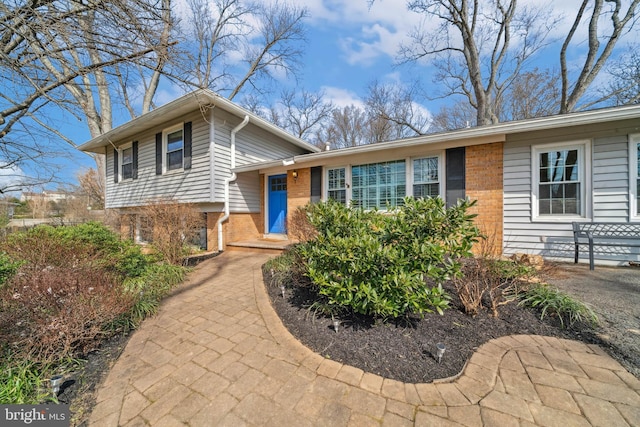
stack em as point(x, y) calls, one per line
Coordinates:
point(217, 354)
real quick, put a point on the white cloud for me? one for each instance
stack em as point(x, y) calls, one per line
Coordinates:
point(12, 178)
point(341, 97)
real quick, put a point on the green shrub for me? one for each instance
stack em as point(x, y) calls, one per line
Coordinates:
point(21, 381)
point(39, 247)
point(382, 263)
point(147, 291)
point(8, 268)
point(551, 301)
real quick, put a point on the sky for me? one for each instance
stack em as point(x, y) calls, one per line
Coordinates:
point(349, 45)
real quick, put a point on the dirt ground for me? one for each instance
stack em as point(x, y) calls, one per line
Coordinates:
point(405, 349)
point(614, 294)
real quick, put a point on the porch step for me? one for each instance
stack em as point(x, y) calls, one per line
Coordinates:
point(274, 246)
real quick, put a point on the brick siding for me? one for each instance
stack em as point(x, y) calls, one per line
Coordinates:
point(484, 172)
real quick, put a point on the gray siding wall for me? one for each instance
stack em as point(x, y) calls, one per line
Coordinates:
point(253, 144)
point(609, 203)
point(185, 186)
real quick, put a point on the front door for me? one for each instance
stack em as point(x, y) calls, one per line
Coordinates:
point(277, 204)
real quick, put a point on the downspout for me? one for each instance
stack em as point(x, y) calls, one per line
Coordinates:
point(229, 180)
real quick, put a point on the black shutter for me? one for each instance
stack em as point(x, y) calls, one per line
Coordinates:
point(455, 180)
point(159, 153)
point(187, 145)
point(116, 172)
point(316, 184)
point(134, 149)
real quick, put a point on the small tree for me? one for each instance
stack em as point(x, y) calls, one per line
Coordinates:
point(173, 226)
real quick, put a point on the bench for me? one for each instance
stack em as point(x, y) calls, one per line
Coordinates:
point(605, 234)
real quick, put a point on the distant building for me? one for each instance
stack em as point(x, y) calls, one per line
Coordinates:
point(48, 196)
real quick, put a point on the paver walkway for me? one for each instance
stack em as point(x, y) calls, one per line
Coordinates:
point(217, 355)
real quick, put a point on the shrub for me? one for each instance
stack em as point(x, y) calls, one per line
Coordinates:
point(490, 278)
point(8, 268)
point(20, 381)
point(44, 246)
point(59, 311)
point(387, 264)
point(549, 300)
point(173, 226)
point(147, 291)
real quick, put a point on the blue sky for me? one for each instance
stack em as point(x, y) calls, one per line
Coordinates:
point(349, 46)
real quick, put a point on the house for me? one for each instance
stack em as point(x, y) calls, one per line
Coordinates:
point(531, 178)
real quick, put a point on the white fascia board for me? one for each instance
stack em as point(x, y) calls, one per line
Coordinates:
point(471, 136)
point(179, 107)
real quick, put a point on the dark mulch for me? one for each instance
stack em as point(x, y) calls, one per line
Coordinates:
point(405, 349)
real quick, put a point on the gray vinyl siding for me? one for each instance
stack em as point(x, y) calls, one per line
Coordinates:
point(253, 144)
point(609, 171)
point(191, 185)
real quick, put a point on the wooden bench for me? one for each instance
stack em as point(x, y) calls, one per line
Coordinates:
point(605, 234)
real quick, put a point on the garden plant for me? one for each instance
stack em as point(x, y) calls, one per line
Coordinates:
point(64, 291)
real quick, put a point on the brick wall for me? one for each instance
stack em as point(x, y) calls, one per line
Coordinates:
point(239, 227)
point(298, 190)
point(484, 183)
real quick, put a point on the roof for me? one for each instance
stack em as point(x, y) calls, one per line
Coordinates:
point(181, 106)
point(497, 131)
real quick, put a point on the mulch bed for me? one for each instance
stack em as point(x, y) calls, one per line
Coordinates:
point(405, 349)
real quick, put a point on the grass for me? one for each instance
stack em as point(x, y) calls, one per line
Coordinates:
point(553, 302)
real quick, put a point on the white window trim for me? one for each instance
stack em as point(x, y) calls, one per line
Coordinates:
point(121, 149)
point(347, 182)
point(441, 171)
point(408, 172)
point(586, 190)
point(634, 140)
point(165, 135)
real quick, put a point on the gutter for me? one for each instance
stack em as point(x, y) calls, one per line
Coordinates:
point(229, 180)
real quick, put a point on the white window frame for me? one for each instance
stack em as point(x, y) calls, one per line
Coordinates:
point(165, 142)
point(347, 182)
point(406, 184)
point(584, 177)
point(634, 141)
point(441, 171)
point(121, 162)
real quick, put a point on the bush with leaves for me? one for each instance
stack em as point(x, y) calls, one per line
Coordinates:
point(387, 264)
point(553, 302)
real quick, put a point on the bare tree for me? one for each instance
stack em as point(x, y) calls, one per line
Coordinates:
point(93, 187)
point(479, 47)
point(233, 44)
point(534, 93)
point(600, 44)
point(302, 113)
point(393, 112)
point(52, 49)
point(347, 127)
point(624, 84)
point(457, 116)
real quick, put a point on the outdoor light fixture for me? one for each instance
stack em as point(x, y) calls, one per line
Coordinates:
point(294, 174)
point(440, 351)
point(282, 288)
point(336, 323)
point(56, 381)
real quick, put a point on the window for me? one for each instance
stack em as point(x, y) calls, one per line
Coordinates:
point(426, 182)
point(127, 163)
point(174, 150)
point(337, 185)
point(560, 181)
point(378, 185)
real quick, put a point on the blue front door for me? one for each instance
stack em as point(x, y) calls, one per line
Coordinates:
point(278, 204)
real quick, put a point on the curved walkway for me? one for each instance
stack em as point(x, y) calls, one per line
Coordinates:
point(217, 355)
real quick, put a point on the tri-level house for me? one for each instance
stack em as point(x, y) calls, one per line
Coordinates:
point(531, 178)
